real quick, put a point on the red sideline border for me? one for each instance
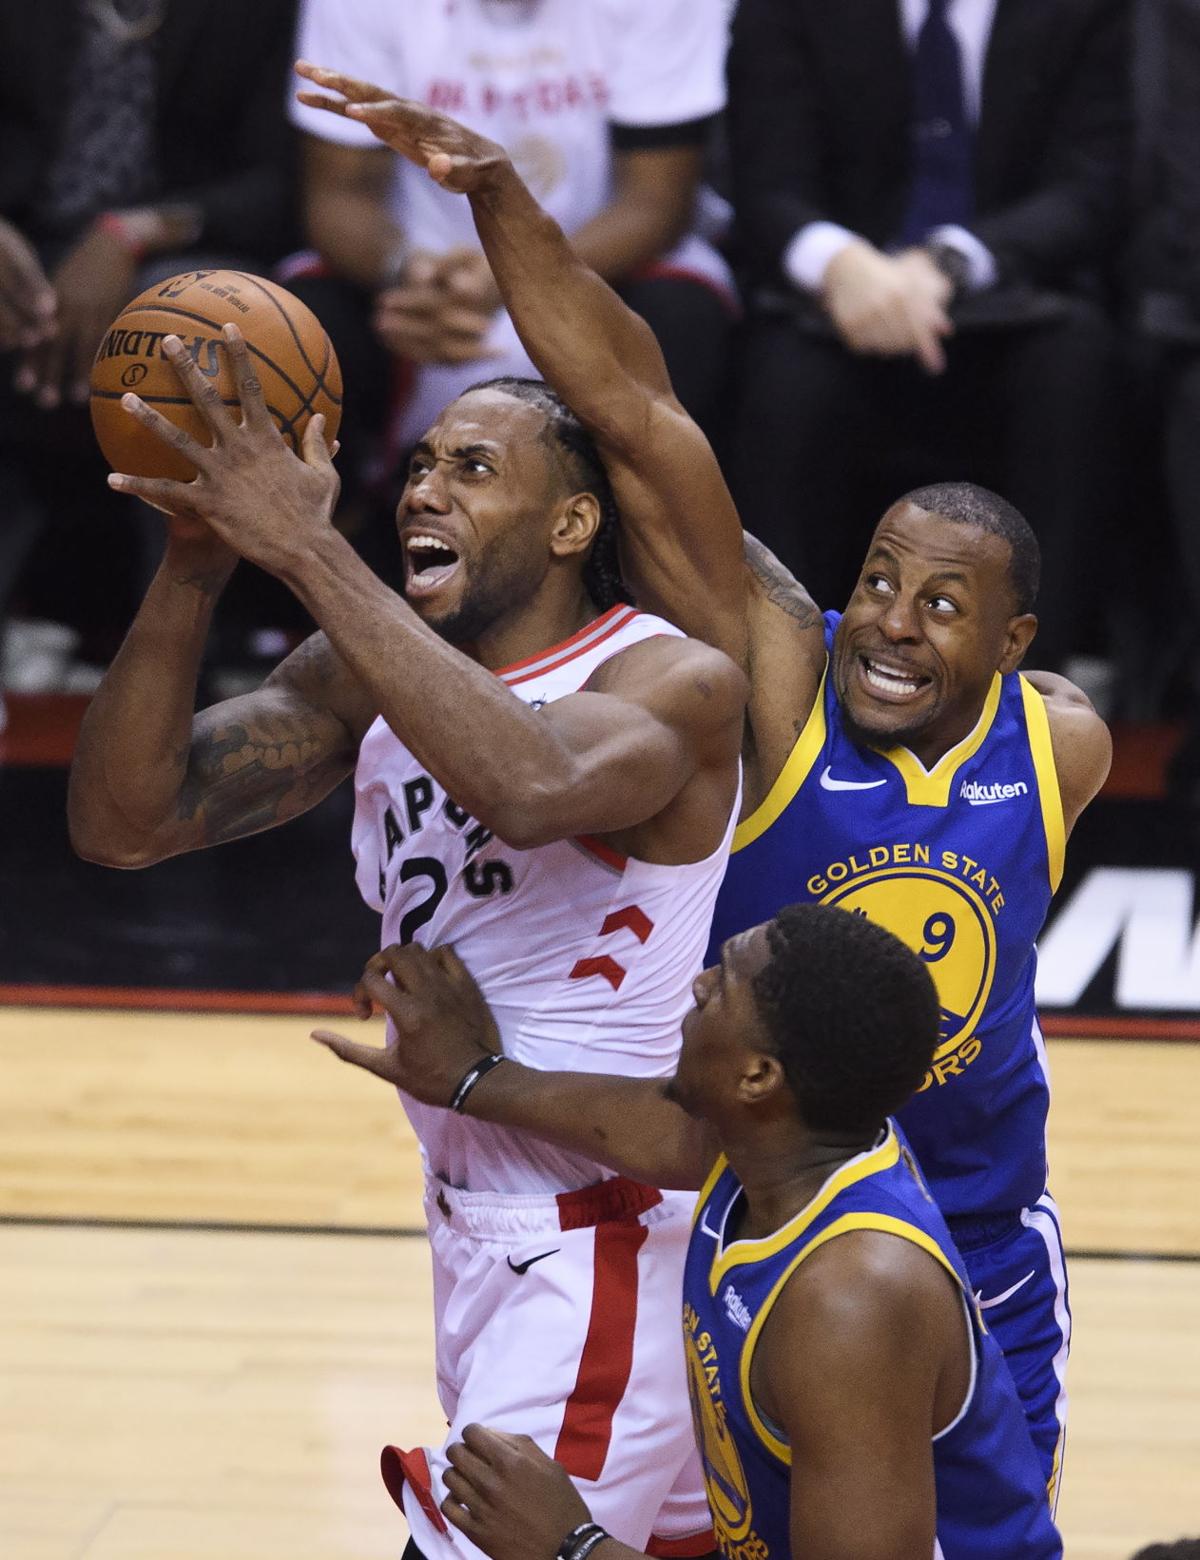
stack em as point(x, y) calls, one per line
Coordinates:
point(1060, 1026)
point(168, 999)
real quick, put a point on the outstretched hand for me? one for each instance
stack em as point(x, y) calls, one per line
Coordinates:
point(264, 501)
point(442, 1024)
point(454, 156)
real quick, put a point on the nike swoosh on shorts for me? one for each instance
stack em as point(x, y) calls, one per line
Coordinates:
point(986, 1305)
point(523, 1267)
point(828, 783)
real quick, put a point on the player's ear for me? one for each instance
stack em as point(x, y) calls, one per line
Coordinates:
point(1019, 637)
point(761, 1078)
point(576, 525)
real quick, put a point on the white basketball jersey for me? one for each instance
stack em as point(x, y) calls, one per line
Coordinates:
point(586, 957)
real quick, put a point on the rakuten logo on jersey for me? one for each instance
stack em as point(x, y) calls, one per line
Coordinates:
point(987, 795)
point(736, 1308)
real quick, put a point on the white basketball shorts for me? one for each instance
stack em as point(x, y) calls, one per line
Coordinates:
point(559, 1318)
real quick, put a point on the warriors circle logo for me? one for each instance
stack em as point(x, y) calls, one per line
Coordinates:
point(948, 925)
point(725, 1482)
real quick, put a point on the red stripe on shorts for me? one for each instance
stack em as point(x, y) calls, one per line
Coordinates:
point(412, 1469)
point(607, 1358)
point(690, 1548)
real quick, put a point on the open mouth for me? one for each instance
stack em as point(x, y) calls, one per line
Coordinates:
point(891, 680)
point(430, 563)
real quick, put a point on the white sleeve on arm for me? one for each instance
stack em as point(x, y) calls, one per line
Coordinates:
point(667, 60)
point(361, 38)
point(810, 251)
point(981, 263)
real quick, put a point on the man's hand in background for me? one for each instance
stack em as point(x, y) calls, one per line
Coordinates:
point(889, 305)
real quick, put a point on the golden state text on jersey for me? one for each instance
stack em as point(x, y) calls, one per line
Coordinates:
point(961, 862)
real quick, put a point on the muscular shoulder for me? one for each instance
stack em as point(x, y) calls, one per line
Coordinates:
point(860, 1309)
point(682, 680)
point(1080, 739)
point(317, 675)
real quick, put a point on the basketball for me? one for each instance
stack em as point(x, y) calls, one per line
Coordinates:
point(291, 353)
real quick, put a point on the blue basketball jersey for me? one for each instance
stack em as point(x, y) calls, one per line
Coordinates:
point(991, 1498)
point(961, 862)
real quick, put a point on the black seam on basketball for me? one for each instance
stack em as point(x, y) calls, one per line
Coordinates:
point(287, 320)
point(286, 425)
point(202, 319)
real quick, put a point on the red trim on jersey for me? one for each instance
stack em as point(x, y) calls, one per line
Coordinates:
point(633, 917)
point(602, 852)
point(604, 1201)
point(412, 1468)
point(607, 1359)
point(690, 1548)
point(604, 964)
point(554, 656)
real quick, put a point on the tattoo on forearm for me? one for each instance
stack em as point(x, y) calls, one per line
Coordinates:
point(240, 781)
point(781, 589)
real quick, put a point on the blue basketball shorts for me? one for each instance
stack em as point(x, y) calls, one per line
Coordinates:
point(1019, 1276)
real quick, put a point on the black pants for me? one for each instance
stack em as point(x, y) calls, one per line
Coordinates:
point(1183, 468)
point(826, 440)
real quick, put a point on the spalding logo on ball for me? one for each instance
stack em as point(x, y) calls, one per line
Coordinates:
point(291, 353)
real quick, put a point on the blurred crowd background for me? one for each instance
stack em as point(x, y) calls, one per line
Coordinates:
point(882, 243)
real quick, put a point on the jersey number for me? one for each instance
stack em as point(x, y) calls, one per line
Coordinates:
point(422, 867)
point(937, 938)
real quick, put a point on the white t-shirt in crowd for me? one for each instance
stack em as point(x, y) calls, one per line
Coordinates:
point(552, 81)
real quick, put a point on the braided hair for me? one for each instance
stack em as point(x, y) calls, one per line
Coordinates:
point(575, 446)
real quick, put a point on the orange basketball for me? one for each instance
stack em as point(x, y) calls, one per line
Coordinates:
point(291, 353)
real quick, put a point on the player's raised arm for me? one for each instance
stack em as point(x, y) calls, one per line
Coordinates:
point(151, 779)
point(681, 536)
point(444, 1031)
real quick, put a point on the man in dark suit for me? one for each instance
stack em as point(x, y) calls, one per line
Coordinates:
point(141, 138)
point(928, 192)
point(1170, 84)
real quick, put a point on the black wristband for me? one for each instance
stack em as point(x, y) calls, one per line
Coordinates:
point(952, 263)
point(472, 1076)
point(580, 1541)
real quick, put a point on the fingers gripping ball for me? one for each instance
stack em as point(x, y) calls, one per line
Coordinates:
point(291, 354)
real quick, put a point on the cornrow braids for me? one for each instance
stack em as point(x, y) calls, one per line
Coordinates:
point(602, 571)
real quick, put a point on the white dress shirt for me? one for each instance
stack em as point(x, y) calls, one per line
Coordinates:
point(814, 246)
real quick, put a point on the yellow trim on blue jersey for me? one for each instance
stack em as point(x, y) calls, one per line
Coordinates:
point(791, 777)
point(1052, 1482)
point(1041, 750)
point(857, 1169)
point(849, 1222)
point(706, 1191)
point(931, 787)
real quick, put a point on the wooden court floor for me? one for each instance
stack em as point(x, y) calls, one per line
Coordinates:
point(214, 1298)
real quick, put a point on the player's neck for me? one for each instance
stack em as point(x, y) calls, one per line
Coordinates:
point(782, 1170)
point(928, 746)
point(550, 617)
